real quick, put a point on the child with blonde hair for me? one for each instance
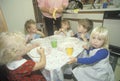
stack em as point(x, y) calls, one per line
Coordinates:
point(84, 28)
point(65, 29)
point(12, 49)
point(32, 31)
point(95, 66)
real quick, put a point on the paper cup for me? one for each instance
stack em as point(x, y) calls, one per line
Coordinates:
point(69, 51)
point(54, 43)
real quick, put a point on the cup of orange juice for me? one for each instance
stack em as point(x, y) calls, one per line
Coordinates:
point(69, 51)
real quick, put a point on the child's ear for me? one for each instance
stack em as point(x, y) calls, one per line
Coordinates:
point(28, 29)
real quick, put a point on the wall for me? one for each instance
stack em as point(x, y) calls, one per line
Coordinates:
point(16, 12)
point(96, 17)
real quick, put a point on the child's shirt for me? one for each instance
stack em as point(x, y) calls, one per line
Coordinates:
point(95, 66)
point(21, 70)
point(77, 35)
point(34, 36)
point(69, 33)
point(90, 59)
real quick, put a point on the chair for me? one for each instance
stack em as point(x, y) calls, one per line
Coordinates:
point(3, 73)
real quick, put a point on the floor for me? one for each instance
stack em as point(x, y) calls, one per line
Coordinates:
point(68, 80)
point(117, 71)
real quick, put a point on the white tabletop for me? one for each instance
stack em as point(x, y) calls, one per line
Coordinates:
point(56, 57)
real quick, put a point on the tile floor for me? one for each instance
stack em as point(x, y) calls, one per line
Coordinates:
point(117, 71)
point(68, 80)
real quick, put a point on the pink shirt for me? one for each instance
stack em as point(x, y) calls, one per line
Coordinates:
point(52, 4)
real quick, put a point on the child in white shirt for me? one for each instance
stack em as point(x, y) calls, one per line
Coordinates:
point(65, 29)
point(95, 65)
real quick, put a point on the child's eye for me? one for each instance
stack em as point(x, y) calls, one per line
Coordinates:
point(99, 39)
point(93, 37)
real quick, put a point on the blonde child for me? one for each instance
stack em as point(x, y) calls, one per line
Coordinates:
point(84, 28)
point(95, 66)
point(12, 49)
point(65, 29)
point(31, 30)
point(85, 25)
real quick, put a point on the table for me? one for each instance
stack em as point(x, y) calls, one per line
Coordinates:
point(56, 57)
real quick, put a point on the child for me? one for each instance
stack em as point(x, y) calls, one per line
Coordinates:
point(85, 26)
point(65, 29)
point(95, 66)
point(12, 50)
point(31, 30)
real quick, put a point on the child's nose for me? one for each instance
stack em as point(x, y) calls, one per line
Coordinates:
point(95, 40)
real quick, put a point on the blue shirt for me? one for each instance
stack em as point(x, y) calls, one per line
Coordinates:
point(36, 36)
point(100, 54)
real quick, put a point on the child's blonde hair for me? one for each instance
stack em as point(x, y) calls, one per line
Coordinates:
point(28, 23)
point(10, 45)
point(86, 23)
point(66, 22)
point(102, 32)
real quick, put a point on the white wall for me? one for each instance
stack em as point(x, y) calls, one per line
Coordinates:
point(16, 12)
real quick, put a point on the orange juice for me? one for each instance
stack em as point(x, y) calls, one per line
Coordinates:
point(69, 51)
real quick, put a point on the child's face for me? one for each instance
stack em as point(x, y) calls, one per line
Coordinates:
point(65, 26)
point(32, 28)
point(96, 41)
point(81, 29)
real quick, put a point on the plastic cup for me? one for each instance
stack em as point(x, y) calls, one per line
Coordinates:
point(69, 51)
point(54, 43)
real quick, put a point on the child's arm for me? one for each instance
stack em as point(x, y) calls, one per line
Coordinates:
point(40, 33)
point(86, 47)
point(60, 30)
point(42, 62)
point(31, 46)
point(28, 38)
point(84, 38)
point(100, 54)
point(72, 60)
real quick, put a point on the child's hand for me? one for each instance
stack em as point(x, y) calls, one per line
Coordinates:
point(35, 45)
point(31, 46)
point(72, 60)
point(85, 47)
point(38, 32)
point(60, 30)
point(40, 51)
point(83, 37)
